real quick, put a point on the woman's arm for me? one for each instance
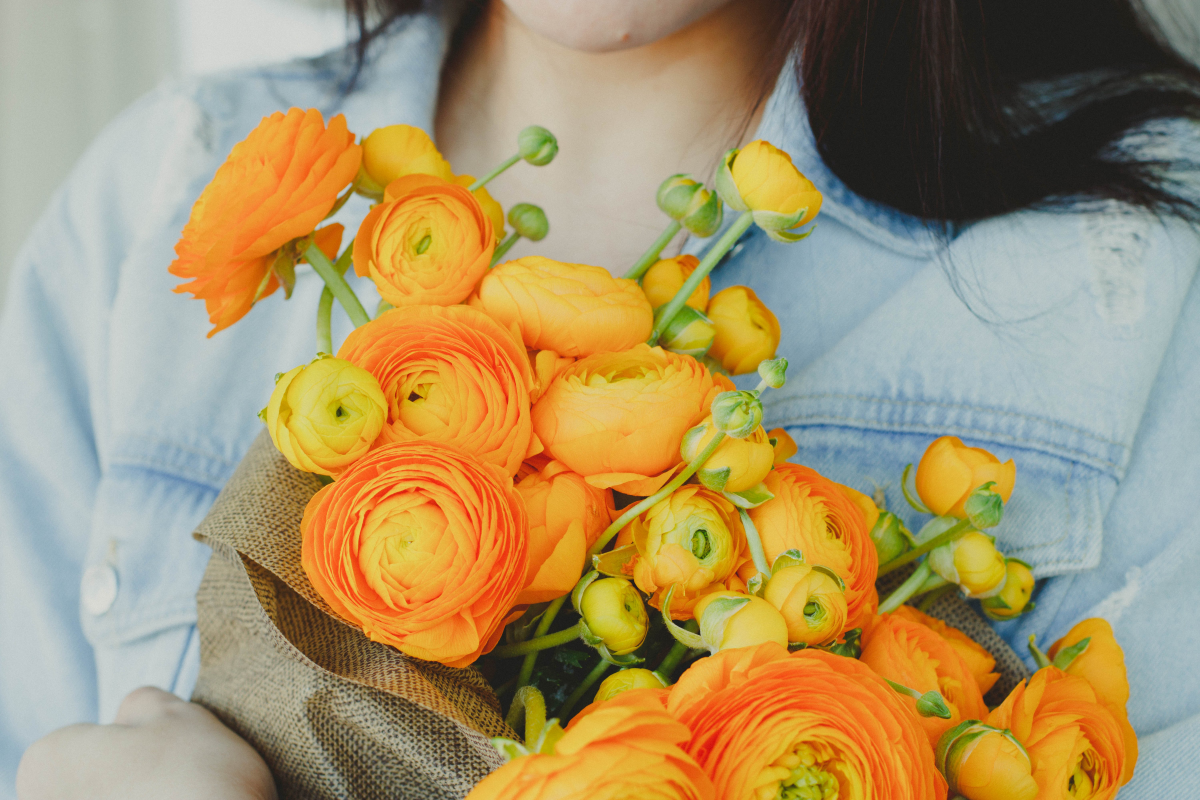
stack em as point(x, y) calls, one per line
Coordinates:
point(158, 747)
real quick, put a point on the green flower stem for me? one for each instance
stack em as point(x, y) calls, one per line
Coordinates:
point(937, 594)
point(906, 589)
point(666, 670)
point(505, 164)
point(528, 703)
point(651, 255)
point(1039, 658)
point(637, 508)
point(503, 248)
point(538, 643)
point(582, 689)
point(711, 258)
point(755, 542)
point(948, 535)
point(543, 627)
point(325, 306)
point(336, 284)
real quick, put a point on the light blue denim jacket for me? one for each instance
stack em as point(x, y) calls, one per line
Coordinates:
point(1067, 341)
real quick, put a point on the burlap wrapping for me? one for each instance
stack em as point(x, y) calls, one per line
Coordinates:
point(334, 714)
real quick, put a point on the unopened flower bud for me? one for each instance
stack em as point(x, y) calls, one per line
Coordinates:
point(737, 413)
point(614, 612)
point(949, 472)
point(704, 214)
point(811, 600)
point(890, 536)
point(529, 221)
point(676, 195)
point(747, 331)
point(985, 763)
point(537, 145)
point(627, 680)
point(762, 179)
point(929, 704)
point(730, 619)
point(397, 150)
point(689, 333)
point(973, 562)
point(1013, 599)
point(736, 465)
point(773, 372)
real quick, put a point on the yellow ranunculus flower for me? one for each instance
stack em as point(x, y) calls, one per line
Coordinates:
point(614, 611)
point(692, 538)
point(985, 763)
point(665, 278)
point(812, 603)
point(973, 562)
point(325, 416)
point(767, 180)
point(755, 622)
point(398, 150)
point(747, 331)
point(1013, 600)
point(950, 471)
point(626, 680)
point(748, 460)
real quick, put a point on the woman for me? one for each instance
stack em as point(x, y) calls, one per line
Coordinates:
point(987, 265)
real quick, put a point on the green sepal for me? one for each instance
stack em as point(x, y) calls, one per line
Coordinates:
point(716, 616)
point(714, 479)
point(726, 187)
point(787, 237)
point(627, 660)
point(366, 186)
point(1064, 657)
point(850, 646)
point(755, 585)
point(285, 268)
point(751, 498)
point(263, 414)
point(841, 584)
point(932, 704)
point(548, 738)
point(985, 507)
point(587, 637)
point(788, 558)
point(580, 588)
point(795, 647)
point(677, 631)
point(509, 749)
point(737, 413)
point(890, 537)
point(704, 220)
point(1039, 657)
point(612, 562)
point(910, 492)
point(775, 222)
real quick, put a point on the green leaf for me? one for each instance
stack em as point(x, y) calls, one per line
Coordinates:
point(1068, 654)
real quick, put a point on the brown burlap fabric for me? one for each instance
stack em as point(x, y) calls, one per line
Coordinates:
point(334, 714)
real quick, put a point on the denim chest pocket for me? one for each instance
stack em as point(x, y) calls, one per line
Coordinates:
point(1054, 519)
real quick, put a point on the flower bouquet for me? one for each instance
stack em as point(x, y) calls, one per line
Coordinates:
point(521, 535)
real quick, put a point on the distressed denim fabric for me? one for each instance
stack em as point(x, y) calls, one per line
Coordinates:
point(1068, 341)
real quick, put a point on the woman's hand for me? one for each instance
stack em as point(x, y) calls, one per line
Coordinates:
point(158, 747)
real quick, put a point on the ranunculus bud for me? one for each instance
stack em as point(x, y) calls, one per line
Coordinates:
point(783, 444)
point(950, 472)
point(325, 416)
point(731, 619)
point(614, 612)
point(1013, 599)
point(677, 195)
point(747, 332)
point(537, 145)
point(737, 414)
point(762, 179)
point(736, 465)
point(529, 221)
point(690, 333)
point(811, 600)
point(665, 278)
point(985, 763)
point(626, 680)
point(398, 150)
point(890, 536)
point(773, 372)
point(973, 562)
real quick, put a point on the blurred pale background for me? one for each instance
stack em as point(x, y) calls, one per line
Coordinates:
point(68, 66)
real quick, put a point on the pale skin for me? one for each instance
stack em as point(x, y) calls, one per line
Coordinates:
point(635, 92)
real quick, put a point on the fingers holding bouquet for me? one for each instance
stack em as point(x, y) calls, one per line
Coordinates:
point(531, 455)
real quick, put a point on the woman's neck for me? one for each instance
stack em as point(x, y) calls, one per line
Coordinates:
point(625, 120)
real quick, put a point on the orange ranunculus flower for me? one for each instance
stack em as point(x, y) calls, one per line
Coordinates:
point(449, 374)
point(623, 414)
point(394, 151)
point(428, 242)
point(785, 446)
point(1076, 745)
point(812, 514)
point(626, 747)
point(981, 663)
point(572, 309)
point(665, 278)
point(763, 721)
point(747, 331)
point(566, 516)
point(422, 546)
point(1102, 665)
point(949, 471)
point(276, 186)
point(908, 653)
point(546, 365)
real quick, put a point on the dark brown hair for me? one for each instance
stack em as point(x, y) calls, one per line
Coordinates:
point(957, 110)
